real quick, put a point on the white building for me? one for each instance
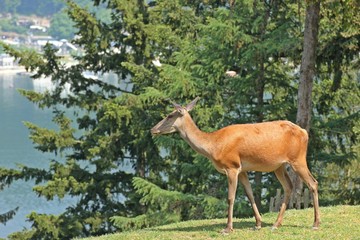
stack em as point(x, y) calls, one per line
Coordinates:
point(9, 64)
point(7, 61)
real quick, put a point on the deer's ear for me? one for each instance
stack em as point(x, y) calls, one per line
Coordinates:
point(192, 104)
point(176, 106)
point(180, 109)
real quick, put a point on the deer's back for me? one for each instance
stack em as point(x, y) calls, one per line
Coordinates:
point(259, 146)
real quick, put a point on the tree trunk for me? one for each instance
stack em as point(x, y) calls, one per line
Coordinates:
point(307, 73)
point(260, 85)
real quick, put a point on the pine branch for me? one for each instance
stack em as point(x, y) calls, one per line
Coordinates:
point(5, 217)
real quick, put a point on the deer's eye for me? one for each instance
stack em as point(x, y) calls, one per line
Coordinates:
point(170, 116)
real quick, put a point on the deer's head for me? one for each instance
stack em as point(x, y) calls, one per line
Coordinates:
point(172, 121)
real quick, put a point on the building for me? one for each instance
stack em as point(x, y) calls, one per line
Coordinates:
point(7, 61)
point(9, 64)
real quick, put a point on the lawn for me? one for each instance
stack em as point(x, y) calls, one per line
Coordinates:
point(338, 222)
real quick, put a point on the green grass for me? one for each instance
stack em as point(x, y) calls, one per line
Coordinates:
point(339, 222)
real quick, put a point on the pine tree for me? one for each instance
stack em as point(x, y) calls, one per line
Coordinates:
point(107, 132)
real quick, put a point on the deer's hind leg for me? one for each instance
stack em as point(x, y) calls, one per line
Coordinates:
point(285, 181)
point(312, 184)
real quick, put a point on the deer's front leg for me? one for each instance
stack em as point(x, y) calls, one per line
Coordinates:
point(232, 175)
point(243, 177)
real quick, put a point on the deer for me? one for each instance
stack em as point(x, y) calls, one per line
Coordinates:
point(237, 149)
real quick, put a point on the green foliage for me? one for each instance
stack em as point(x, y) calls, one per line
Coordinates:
point(9, 6)
point(61, 26)
point(145, 220)
point(49, 227)
point(169, 206)
point(122, 177)
point(8, 25)
point(336, 103)
point(27, 57)
point(4, 217)
point(49, 140)
point(341, 184)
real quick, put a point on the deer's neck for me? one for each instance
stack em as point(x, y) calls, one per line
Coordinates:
point(197, 139)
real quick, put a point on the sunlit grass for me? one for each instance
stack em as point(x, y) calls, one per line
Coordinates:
point(339, 222)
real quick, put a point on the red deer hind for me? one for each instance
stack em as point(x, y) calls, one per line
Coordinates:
point(236, 149)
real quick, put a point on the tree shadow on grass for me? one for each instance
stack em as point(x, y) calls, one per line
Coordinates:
point(216, 227)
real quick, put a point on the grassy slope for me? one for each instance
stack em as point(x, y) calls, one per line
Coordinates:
point(339, 222)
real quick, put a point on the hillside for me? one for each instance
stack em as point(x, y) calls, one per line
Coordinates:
point(339, 222)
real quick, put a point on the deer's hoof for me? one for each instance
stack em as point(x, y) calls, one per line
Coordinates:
point(257, 228)
point(315, 228)
point(274, 228)
point(226, 231)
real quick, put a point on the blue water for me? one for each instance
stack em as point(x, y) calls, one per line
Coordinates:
point(17, 148)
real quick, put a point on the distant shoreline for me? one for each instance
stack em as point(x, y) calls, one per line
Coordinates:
point(13, 70)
